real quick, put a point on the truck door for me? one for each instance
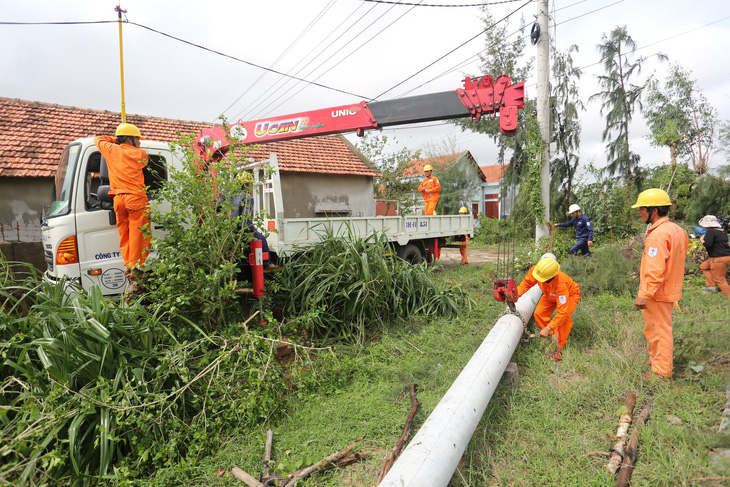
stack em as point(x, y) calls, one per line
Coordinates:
point(100, 259)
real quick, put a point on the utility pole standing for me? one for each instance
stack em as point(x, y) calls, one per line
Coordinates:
point(543, 110)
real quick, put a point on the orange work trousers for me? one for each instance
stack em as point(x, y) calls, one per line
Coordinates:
point(544, 311)
point(133, 224)
point(714, 270)
point(431, 206)
point(658, 333)
point(462, 250)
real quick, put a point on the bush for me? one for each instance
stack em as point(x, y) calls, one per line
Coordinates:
point(200, 255)
point(95, 391)
point(344, 287)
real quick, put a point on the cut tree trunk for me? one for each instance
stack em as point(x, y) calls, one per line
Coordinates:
point(617, 452)
point(627, 465)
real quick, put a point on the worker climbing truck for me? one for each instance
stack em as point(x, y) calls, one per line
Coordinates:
point(81, 242)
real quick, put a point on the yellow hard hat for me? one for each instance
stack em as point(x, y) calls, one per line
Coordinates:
point(427, 167)
point(546, 269)
point(245, 177)
point(463, 210)
point(653, 197)
point(128, 129)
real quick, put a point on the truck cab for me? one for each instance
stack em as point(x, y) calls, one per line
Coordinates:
point(79, 234)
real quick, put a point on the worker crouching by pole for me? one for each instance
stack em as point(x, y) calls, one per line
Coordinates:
point(126, 161)
point(559, 292)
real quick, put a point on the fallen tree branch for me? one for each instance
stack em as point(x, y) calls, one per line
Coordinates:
point(617, 452)
point(393, 454)
point(267, 455)
point(627, 465)
point(295, 477)
point(245, 477)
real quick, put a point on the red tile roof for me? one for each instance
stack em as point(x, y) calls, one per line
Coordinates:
point(33, 134)
point(415, 167)
point(493, 173)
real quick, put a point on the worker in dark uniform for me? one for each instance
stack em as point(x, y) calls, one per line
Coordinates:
point(583, 231)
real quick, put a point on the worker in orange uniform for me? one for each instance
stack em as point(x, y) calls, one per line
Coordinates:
point(559, 292)
point(463, 239)
point(660, 277)
point(125, 161)
point(430, 188)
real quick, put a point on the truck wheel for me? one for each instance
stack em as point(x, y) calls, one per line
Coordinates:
point(411, 254)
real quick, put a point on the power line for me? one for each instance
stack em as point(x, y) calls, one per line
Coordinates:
point(482, 4)
point(349, 54)
point(191, 44)
point(306, 62)
point(454, 49)
point(242, 60)
point(316, 19)
point(61, 23)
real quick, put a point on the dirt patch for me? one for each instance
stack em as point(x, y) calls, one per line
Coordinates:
point(477, 257)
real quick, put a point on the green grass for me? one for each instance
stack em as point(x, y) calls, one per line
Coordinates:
point(547, 431)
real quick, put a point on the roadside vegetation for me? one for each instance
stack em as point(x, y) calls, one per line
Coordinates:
point(181, 384)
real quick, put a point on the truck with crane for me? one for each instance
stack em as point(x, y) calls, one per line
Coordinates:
point(81, 242)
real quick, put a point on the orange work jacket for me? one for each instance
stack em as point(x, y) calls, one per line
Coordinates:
point(125, 163)
point(561, 290)
point(432, 184)
point(662, 265)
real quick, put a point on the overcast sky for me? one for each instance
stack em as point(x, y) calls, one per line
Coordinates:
point(355, 49)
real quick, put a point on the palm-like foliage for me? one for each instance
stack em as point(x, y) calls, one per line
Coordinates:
point(347, 286)
point(619, 99)
point(565, 104)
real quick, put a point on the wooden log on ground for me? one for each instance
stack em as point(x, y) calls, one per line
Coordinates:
point(617, 452)
point(393, 454)
point(295, 477)
point(265, 472)
point(627, 465)
point(245, 478)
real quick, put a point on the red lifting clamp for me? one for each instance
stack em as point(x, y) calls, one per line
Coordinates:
point(505, 290)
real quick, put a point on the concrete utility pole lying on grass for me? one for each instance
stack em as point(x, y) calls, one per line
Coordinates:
point(434, 452)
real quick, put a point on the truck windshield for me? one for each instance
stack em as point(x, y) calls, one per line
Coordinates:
point(64, 181)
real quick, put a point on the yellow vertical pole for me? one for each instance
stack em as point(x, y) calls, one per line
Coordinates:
point(121, 60)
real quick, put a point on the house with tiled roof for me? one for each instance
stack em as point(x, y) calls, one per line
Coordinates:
point(495, 202)
point(322, 173)
point(461, 168)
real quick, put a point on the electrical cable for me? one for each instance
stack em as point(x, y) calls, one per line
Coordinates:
point(61, 23)
point(229, 56)
point(482, 4)
point(311, 24)
point(303, 62)
point(346, 56)
point(454, 49)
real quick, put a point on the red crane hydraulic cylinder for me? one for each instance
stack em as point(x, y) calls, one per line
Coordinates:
point(256, 258)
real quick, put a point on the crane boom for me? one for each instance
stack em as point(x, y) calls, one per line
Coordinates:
point(479, 96)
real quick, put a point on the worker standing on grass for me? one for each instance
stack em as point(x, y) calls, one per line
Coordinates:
point(715, 241)
point(660, 277)
point(559, 292)
point(463, 240)
point(430, 188)
point(125, 161)
point(583, 230)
